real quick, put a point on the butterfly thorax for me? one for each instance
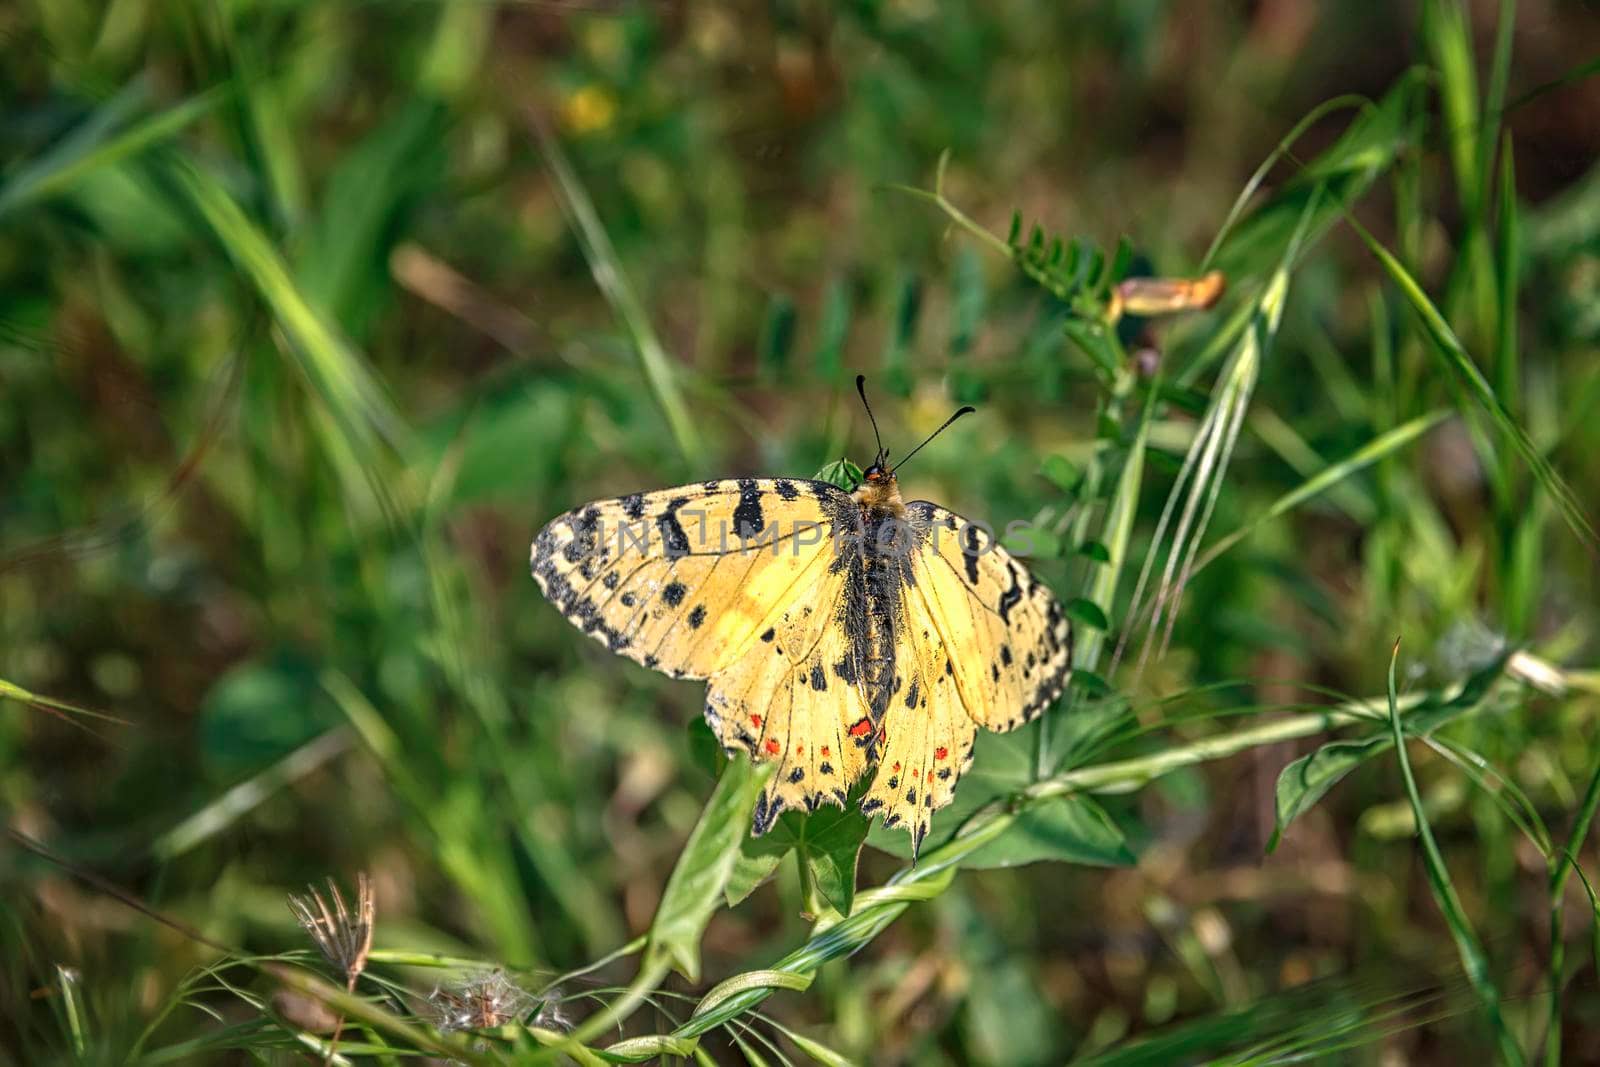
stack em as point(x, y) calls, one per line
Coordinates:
point(879, 494)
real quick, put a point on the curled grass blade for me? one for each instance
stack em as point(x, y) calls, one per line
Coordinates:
point(1473, 960)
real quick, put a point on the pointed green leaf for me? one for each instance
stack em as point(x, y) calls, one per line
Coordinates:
point(1307, 780)
point(703, 869)
point(1088, 613)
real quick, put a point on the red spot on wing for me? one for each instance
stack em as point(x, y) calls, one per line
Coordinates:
point(861, 729)
point(825, 750)
point(941, 752)
point(755, 720)
point(772, 746)
point(897, 765)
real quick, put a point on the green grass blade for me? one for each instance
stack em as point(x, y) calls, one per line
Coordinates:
point(361, 419)
point(98, 143)
point(222, 812)
point(1508, 255)
point(1368, 454)
point(659, 372)
point(1460, 363)
point(1473, 960)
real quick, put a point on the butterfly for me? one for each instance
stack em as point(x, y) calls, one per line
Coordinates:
point(841, 633)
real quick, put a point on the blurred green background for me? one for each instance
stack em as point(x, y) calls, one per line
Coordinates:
point(312, 313)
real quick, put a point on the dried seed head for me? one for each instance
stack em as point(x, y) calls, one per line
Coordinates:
point(343, 937)
point(481, 1001)
point(551, 1014)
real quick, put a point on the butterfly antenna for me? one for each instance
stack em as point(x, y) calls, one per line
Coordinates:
point(861, 388)
point(966, 410)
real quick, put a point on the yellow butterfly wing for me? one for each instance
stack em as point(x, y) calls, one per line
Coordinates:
point(979, 643)
point(685, 580)
point(796, 698)
point(665, 579)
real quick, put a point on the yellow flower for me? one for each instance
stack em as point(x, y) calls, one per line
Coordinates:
point(589, 110)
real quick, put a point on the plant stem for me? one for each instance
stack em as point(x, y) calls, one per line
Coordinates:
point(1558, 886)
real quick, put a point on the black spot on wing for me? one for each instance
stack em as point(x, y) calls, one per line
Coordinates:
point(747, 518)
point(971, 549)
point(768, 634)
point(1011, 597)
point(673, 539)
point(911, 694)
point(673, 593)
point(697, 616)
point(786, 489)
point(819, 680)
point(633, 505)
point(767, 811)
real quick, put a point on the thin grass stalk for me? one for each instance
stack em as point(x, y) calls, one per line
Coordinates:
point(658, 370)
point(1559, 873)
point(1230, 437)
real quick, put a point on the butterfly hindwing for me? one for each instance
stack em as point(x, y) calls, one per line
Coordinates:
point(927, 734)
point(1012, 643)
point(666, 579)
point(793, 698)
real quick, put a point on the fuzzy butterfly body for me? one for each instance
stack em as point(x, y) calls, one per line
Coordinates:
point(842, 634)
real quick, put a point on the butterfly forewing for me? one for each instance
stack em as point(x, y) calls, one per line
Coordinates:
point(685, 580)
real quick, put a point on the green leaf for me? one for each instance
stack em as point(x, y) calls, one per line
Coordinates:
point(827, 841)
point(1070, 829)
point(344, 265)
point(818, 1052)
point(1094, 550)
point(259, 712)
point(758, 858)
point(1088, 613)
point(1089, 682)
point(1307, 780)
point(777, 337)
point(833, 330)
point(703, 869)
point(705, 749)
point(1062, 473)
point(842, 473)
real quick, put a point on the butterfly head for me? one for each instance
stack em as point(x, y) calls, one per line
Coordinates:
point(878, 489)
